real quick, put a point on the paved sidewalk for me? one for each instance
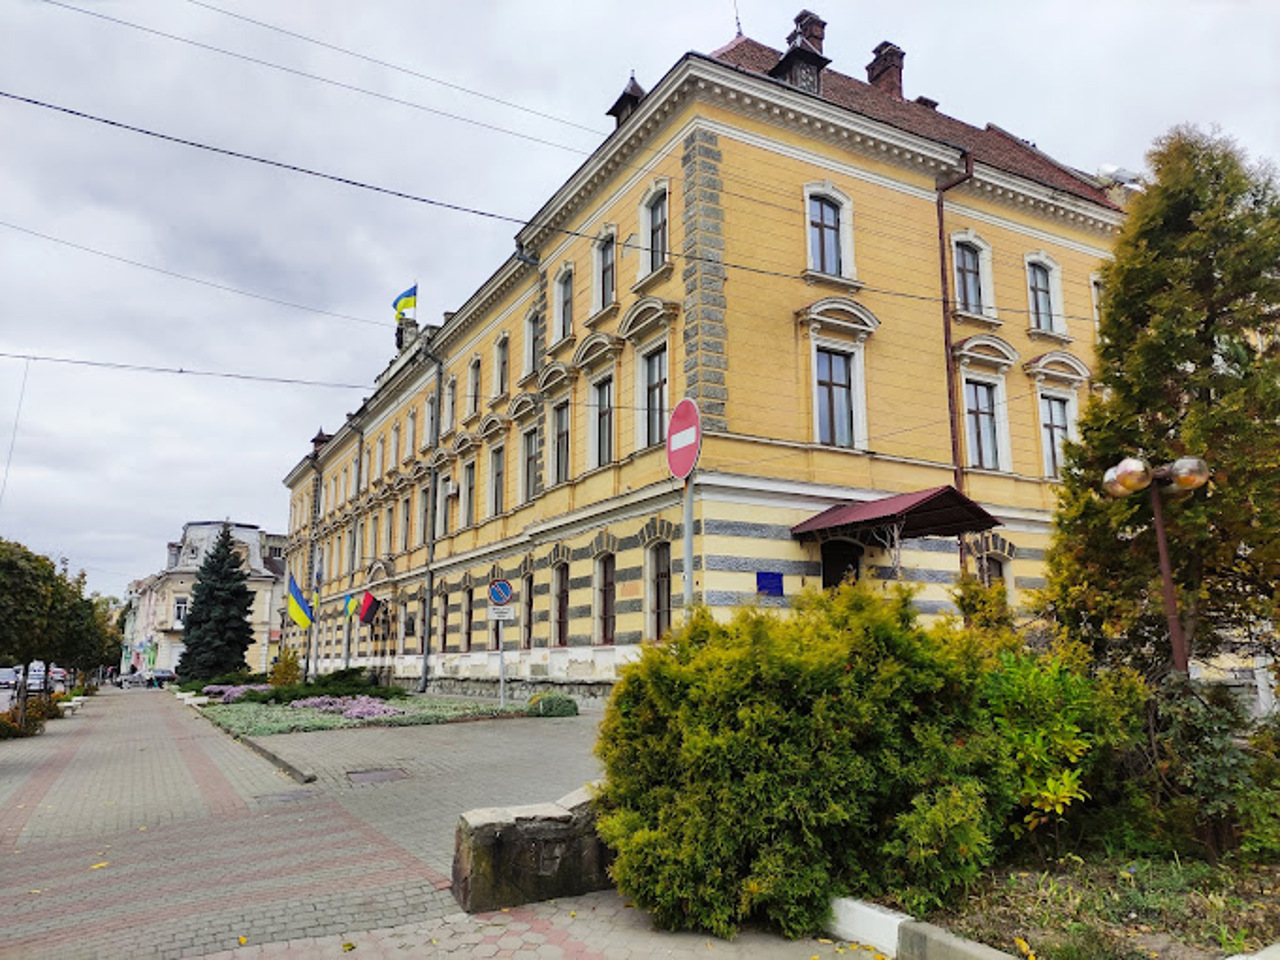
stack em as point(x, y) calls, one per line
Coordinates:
point(136, 829)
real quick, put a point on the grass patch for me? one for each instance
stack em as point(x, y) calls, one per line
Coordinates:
point(1122, 909)
point(265, 719)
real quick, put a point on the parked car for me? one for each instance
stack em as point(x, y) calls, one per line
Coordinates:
point(35, 679)
point(160, 676)
point(8, 678)
point(58, 675)
point(131, 680)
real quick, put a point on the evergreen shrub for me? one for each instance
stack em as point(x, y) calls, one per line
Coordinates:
point(551, 705)
point(756, 768)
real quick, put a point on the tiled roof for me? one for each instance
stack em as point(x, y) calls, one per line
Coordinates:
point(990, 145)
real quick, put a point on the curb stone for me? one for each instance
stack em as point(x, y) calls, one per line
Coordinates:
point(1266, 953)
point(900, 936)
point(299, 774)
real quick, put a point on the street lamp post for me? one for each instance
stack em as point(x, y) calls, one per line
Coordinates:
point(1185, 474)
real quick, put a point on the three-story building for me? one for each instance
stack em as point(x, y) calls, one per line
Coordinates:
point(886, 317)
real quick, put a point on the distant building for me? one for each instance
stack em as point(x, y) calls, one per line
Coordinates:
point(158, 604)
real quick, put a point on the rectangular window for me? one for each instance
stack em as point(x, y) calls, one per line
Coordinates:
point(406, 523)
point(425, 511)
point(340, 557)
point(604, 422)
point(391, 530)
point(606, 602)
point(529, 443)
point(450, 405)
point(526, 621)
point(658, 231)
point(473, 387)
point(429, 423)
point(655, 397)
point(835, 398)
point(395, 446)
point(980, 412)
point(180, 610)
point(413, 432)
point(469, 494)
point(1053, 417)
point(968, 278)
point(497, 481)
point(560, 418)
point(442, 505)
point(608, 280)
point(1041, 301)
point(373, 534)
point(501, 371)
point(661, 587)
point(382, 455)
point(824, 235)
point(566, 304)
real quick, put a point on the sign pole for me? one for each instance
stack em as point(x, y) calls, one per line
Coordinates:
point(688, 545)
point(502, 670)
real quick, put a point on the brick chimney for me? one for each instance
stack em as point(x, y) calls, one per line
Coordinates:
point(885, 71)
point(811, 28)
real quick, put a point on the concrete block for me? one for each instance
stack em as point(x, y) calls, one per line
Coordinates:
point(197, 701)
point(507, 856)
point(924, 941)
point(866, 923)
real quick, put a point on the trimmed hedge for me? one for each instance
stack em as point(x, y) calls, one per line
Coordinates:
point(551, 705)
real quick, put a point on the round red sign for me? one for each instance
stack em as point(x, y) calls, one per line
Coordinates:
point(684, 438)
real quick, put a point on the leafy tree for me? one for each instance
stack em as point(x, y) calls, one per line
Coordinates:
point(218, 632)
point(1188, 365)
point(31, 595)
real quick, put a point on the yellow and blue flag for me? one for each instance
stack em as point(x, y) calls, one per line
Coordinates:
point(299, 609)
point(351, 605)
point(406, 300)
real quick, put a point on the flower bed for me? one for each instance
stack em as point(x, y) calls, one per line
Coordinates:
point(264, 719)
point(231, 693)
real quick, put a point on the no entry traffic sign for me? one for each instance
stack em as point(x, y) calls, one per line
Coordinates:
point(684, 438)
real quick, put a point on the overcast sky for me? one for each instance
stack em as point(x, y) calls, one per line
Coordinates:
point(107, 464)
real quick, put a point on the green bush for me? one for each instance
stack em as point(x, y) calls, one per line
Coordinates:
point(756, 768)
point(351, 682)
point(551, 705)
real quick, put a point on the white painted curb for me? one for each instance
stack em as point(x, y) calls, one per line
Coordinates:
point(867, 923)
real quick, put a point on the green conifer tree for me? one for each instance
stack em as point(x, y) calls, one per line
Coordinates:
point(218, 632)
point(1188, 365)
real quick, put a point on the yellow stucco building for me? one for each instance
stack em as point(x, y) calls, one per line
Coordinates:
point(867, 299)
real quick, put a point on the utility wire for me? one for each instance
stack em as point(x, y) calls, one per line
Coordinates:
point(13, 438)
point(396, 67)
point(458, 208)
point(316, 77)
point(146, 368)
point(190, 279)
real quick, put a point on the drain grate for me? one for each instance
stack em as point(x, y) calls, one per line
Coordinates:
point(376, 776)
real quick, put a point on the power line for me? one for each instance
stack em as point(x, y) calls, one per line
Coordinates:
point(146, 368)
point(396, 67)
point(191, 279)
point(316, 77)
point(458, 208)
point(13, 438)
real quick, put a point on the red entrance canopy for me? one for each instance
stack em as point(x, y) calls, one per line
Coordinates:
point(937, 512)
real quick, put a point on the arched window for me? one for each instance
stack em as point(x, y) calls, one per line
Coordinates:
point(606, 598)
point(560, 617)
point(660, 589)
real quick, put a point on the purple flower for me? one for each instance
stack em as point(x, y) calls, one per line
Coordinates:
point(353, 708)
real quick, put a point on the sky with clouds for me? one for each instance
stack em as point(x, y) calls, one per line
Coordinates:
point(103, 465)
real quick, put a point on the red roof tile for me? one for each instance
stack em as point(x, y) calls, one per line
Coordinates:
point(991, 145)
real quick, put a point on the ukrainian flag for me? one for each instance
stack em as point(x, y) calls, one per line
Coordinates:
point(406, 300)
point(352, 604)
point(299, 609)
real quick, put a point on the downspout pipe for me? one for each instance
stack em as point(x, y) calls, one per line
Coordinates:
point(354, 550)
point(432, 493)
point(953, 412)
